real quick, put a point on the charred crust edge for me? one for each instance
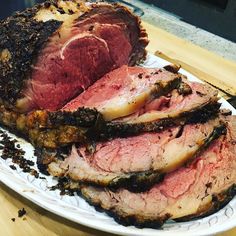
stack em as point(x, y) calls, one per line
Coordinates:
point(134, 182)
point(218, 202)
point(23, 37)
point(126, 220)
point(200, 114)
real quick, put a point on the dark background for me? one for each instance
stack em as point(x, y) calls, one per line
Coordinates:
point(215, 16)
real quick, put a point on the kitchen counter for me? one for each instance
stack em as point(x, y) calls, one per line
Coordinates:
point(172, 24)
point(38, 221)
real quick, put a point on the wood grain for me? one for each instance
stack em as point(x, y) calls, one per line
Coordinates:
point(206, 65)
point(198, 61)
point(37, 220)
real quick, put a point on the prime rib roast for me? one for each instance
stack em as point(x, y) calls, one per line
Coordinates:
point(149, 100)
point(143, 144)
point(124, 91)
point(55, 50)
point(196, 190)
point(137, 162)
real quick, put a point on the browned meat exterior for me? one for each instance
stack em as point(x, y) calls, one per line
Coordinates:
point(53, 51)
point(136, 163)
point(196, 190)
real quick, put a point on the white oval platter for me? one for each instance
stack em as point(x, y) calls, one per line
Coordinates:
point(76, 209)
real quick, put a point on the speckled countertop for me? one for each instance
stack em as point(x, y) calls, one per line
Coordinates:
point(174, 25)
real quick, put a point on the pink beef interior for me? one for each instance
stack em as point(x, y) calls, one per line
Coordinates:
point(130, 154)
point(68, 65)
point(186, 191)
point(124, 82)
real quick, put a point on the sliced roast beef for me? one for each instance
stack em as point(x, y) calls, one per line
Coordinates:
point(64, 135)
point(53, 51)
point(172, 105)
point(177, 103)
point(173, 109)
point(137, 162)
point(193, 108)
point(196, 190)
point(125, 91)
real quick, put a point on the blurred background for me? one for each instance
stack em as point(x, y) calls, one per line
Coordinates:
point(216, 16)
point(210, 24)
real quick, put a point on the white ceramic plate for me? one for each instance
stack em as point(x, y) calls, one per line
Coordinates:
point(77, 210)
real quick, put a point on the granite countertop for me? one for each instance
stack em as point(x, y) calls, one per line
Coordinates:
point(174, 25)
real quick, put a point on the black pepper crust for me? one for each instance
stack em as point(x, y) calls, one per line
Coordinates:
point(200, 114)
point(127, 220)
point(23, 37)
point(46, 156)
point(134, 182)
point(82, 117)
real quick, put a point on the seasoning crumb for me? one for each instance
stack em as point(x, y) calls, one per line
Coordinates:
point(42, 177)
point(12, 150)
point(13, 219)
point(12, 167)
point(24, 218)
point(21, 212)
point(140, 75)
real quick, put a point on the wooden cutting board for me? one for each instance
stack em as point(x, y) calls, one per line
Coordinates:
point(198, 61)
point(205, 65)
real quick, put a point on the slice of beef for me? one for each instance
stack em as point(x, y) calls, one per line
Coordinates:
point(182, 105)
point(125, 91)
point(88, 125)
point(178, 103)
point(171, 105)
point(166, 111)
point(136, 163)
point(64, 135)
point(199, 189)
point(52, 52)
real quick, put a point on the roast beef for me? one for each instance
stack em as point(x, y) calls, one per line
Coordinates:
point(177, 103)
point(172, 105)
point(53, 51)
point(64, 135)
point(196, 190)
point(137, 162)
point(196, 109)
point(125, 91)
